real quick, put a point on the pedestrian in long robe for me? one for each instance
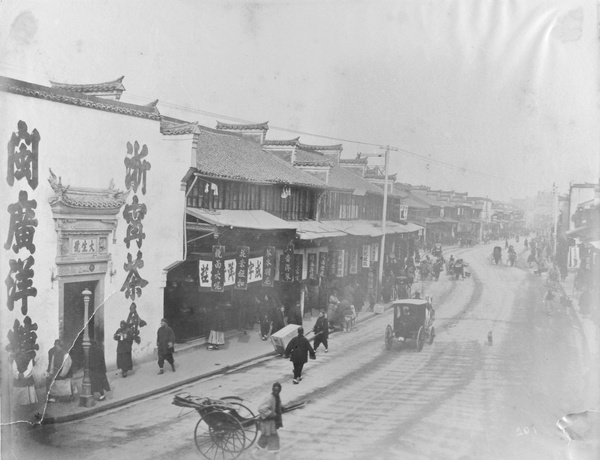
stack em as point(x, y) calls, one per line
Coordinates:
point(216, 337)
point(321, 330)
point(277, 318)
point(59, 373)
point(23, 390)
point(270, 420)
point(98, 371)
point(165, 341)
point(298, 350)
point(124, 338)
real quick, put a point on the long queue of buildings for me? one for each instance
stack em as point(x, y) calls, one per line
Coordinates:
point(135, 207)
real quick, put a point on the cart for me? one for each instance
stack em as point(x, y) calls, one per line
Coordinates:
point(413, 319)
point(226, 427)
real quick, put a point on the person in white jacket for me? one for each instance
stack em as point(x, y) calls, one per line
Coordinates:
point(23, 383)
point(270, 421)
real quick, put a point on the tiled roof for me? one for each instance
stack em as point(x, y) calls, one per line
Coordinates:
point(422, 196)
point(73, 197)
point(412, 203)
point(64, 96)
point(320, 147)
point(307, 158)
point(354, 161)
point(115, 85)
point(229, 156)
point(343, 179)
point(235, 126)
point(286, 142)
point(174, 128)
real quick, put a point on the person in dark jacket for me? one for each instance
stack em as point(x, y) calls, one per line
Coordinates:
point(98, 370)
point(165, 342)
point(277, 318)
point(124, 337)
point(295, 316)
point(216, 337)
point(321, 330)
point(298, 350)
point(265, 317)
point(359, 297)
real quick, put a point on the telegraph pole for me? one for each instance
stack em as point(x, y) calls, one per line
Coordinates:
point(555, 222)
point(383, 217)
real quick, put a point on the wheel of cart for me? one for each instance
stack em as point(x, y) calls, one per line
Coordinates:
point(413, 319)
point(226, 427)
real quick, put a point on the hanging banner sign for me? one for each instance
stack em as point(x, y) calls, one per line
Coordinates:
point(333, 264)
point(241, 274)
point(353, 261)
point(298, 262)
point(375, 252)
point(340, 256)
point(366, 255)
point(287, 265)
point(205, 271)
point(269, 267)
point(218, 269)
point(230, 266)
point(255, 269)
point(311, 267)
point(322, 264)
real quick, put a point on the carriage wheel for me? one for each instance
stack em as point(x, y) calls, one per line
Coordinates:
point(431, 335)
point(389, 337)
point(420, 338)
point(250, 426)
point(225, 441)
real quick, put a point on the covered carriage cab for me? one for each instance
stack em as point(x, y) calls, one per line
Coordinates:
point(413, 319)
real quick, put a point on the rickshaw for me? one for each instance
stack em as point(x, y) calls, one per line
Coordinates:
point(413, 319)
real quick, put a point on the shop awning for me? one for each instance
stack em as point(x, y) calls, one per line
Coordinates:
point(357, 227)
point(252, 219)
point(313, 229)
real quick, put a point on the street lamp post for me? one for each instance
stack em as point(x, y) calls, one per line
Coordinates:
point(87, 398)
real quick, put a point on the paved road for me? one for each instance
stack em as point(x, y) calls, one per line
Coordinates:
point(459, 398)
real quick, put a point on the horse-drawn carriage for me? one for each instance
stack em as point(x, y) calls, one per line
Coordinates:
point(413, 319)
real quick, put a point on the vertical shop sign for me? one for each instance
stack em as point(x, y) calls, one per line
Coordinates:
point(323, 264)
point(333, 263)
point(340, 256)
point(136, 169)
point(255, 269)
point(22, 157)
point(375, 252)
point(353, 261)
point(269, 267)
point(366, 256)
point(230, 272)
point(287, 264)
point(311, 266)
point(298, 265)
point(218, 269)
point(241, 279)
point(205, 270)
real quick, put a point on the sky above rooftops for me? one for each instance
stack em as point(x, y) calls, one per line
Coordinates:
point(496, 98)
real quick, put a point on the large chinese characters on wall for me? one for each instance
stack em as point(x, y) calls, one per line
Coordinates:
point(136, 169)
point(22, 156)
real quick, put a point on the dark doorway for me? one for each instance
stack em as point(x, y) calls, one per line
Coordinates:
point(74, 317)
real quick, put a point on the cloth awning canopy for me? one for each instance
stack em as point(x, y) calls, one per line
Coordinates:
point(238, 218)
point(395, 227)
point(357, 227)
point(313, 229)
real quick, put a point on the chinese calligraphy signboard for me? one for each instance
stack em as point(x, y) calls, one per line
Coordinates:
point(269, 267)
point(241, 281)
point(322, 264)
point(218, 268)
point(230, 272)
point(340, 264)
point(353, 261)
point(298, 261)
point(286, 274)
point(136, 168)
point(22, 156)
point(375, 252)
point(311, 266)
point(366, 255)
point(205, 270)
point(255, 269)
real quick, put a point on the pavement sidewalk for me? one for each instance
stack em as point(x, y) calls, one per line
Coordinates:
point(192, 362)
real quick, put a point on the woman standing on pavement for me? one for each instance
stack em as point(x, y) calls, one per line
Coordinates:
point(265, 317)
point(124, 337)
point(217, 334)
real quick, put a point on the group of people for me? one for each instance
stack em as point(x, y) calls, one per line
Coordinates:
point(343, 310)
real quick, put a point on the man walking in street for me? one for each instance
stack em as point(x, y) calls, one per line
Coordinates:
point(298, 350)
point(270, 421)
point(165, 342)
point(321, 330)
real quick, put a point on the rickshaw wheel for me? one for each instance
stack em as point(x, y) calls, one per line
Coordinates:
point(420, 338)
point(225, 441)
point(250, 427)
point(389, 337)
point(431, 335)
